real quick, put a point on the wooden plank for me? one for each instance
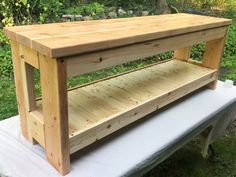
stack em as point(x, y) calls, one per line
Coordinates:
point(183, 53)
point(38, 31)
point(195, 62)
point(91, 62)
point(29, 93)
point(37, 127)
point(212, 56)
point(28, 83)
point(30, 56)
point(20, 89)
point(87, 27)
point(59, 26)
point(171, 79)
point(67, 39)
point(197, 77)
point(55, 112)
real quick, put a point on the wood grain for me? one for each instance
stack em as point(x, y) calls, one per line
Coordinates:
point(183, 53)
point(55, 112)
point(16, 59)
point(121, 100)
point(98, 60)
point(213, 55)
point(75, 38)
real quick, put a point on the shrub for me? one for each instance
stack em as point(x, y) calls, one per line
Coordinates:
point(6, 69)
point(93, 9)
point(14, 12)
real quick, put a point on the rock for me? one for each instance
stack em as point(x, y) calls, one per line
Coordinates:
point(86, 18)
point(112, 14)
point(130, 12)
point(121, 12)
point(111, 9)
point(145, 13)
point(78, 17)
point(194, 11)
point(68, 17)
point(102, 16)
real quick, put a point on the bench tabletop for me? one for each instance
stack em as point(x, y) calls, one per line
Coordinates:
point(73, 38)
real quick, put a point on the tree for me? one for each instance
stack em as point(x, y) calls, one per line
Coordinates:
point(161, 7)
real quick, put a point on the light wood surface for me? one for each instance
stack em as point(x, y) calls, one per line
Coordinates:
point(213, 55)
point(63, 39)
point(183, 53)
point(55, 112)
point(27, 72)
point(94, 61)
point(17, 66)
point(37, 126)
point(101, 108)
point(30, 56)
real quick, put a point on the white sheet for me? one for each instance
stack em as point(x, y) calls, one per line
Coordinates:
point(129, 152)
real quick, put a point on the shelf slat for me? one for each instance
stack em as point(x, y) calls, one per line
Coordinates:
point(101, 108)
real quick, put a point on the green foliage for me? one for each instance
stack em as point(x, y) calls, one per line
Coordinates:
point(49, 11)
point(204, 4)
point(3, 39)
point(93, 9)
point(128, 4)
point(8, 101)
point(230, 48)
point(17, 12)
point(14, 12)
point(197, 51)
point(6, 69)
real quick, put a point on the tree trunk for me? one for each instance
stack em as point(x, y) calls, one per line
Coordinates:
point(161, 7)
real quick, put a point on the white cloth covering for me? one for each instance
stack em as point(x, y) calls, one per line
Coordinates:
point(132, 150)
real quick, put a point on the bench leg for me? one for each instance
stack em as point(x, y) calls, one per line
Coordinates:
point(183, 53)
point(29, 94)
point(53, 77)
point(23, 75)
point(212, 56)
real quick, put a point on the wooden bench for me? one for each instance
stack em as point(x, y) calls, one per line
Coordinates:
point(64, 122)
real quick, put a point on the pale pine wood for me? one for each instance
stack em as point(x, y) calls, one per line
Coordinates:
point(183, 53)
point(30, 56)
point(27, 72)
point(37, 127)
point(71, 39)
point(53, 78)
point(98, 109)
point(212, 56)
point(28, 82)
point(94, 61)
point(108, 106)
point(16, 59)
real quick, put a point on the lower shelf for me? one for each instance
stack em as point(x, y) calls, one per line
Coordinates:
point(101, 108)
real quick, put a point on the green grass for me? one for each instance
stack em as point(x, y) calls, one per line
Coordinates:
point(8, 103)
